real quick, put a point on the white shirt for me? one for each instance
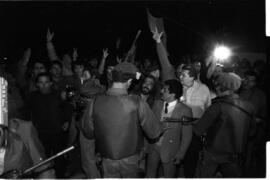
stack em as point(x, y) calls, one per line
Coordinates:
point(197, 97)
point(2, 157)
point(170, 108)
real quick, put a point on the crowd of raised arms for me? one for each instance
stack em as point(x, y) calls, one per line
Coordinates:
point(138, 118)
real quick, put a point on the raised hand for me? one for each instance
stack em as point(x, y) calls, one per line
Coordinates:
point(210, 59)
point(119, 60)
point(28, 52)
point(156, 35)
point(75, 54)
point(105, 53)
point(26, 56)
point(49, 35)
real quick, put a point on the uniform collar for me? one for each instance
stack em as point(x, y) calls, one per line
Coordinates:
point(117, 91)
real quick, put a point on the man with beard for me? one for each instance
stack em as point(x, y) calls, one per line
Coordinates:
point(148, 90)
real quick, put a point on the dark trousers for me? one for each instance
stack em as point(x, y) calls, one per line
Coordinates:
point(53, 144)
point(123, 168)
point(192, 157)
point(153, 163)
point(211, 164)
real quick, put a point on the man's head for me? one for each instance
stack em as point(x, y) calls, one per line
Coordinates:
point(250, 79)
point(148, 84)
point(56, 69)
point(124, 73)
point(197, 65)
point(171, 90)
point(147, 63)
point(38, 67)
point(188, 75)
point(93, 62)
point(44, 83)
point(227, 83)
point(67, 60)
point(179, 69)
point(86, 74)
point(78, 68)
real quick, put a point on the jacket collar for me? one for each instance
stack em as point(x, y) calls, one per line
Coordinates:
point(117, 91)
point(227, 97)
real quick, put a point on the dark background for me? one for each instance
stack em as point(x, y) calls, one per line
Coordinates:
point(192, 26)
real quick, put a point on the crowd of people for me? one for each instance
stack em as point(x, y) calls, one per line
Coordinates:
point(144, 118)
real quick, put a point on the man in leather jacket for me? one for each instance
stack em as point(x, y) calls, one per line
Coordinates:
point(118, 121)
point(228, 123)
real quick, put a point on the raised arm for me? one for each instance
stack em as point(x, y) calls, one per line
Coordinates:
point(168, 71)
point(211, 66)
point(22, 67)
point(50, 47)
point(103, 61)
point(75, 54)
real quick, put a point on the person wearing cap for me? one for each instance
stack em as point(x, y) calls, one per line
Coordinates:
point(227, 123)
point(117, 121)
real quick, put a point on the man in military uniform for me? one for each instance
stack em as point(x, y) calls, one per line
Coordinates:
point(118, 121)
point(228, 123)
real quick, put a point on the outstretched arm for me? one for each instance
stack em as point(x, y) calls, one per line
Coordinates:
point(130, 57)
point(168, 71)
point(211, 66)
point(22, 67)
point(103, 61)
point(75, 54)
point(50, 47)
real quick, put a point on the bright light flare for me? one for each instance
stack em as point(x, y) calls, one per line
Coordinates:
point(222, 52)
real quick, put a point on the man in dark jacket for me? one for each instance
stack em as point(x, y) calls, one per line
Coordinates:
point(228, 123)
point(117, 122)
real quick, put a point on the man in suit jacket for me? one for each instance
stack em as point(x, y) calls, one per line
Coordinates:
point(171, 148)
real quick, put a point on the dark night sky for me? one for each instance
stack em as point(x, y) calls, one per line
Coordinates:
point(91, 26)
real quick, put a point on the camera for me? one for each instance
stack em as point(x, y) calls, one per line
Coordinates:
point(70, 93)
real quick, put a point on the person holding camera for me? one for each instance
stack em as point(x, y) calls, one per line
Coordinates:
point(44, 107)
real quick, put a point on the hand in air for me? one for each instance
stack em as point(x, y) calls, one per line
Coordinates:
point(105, 53)
point(156, 35)
point(49, 35)
point(75, 54)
